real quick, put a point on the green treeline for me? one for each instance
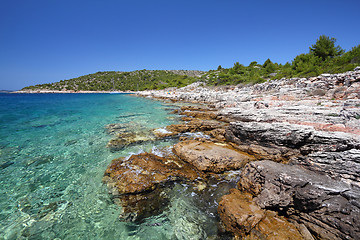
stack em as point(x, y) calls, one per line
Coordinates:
point(323, 57)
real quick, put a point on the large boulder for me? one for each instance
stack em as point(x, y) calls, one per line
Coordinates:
point(329, 208)
point(211, 157)
point(247, 220)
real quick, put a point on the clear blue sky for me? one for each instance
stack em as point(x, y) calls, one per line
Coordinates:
point(44, 41)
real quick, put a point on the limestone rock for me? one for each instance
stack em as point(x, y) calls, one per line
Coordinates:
point(195, 125)
point(343, 166)
point(329, 208)
point(211, 157)
point(292, 136)
point(143, 172)
point(247, 220)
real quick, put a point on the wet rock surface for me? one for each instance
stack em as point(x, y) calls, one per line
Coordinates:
point(135, 180)
point(211, 157)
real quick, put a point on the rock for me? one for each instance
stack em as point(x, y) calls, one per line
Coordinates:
point(127, 134)
point(127, 139)
point(211, 157)
point(144, 172)
point(195, 125)
point(292, 136)
point(200, 114)
point(247, 220)
point(162, 133)
point(260, 105)
point(218, 133)
point(137, 182)
point(136, 207)
point(329, 208)
point(343, 166)
point(196, 108)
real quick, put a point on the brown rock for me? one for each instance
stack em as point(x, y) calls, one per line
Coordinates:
point(209, 156)
point(162, 133)
point(195, 125)
point(196, 108)
point(218, 133)
point(144, 172)
point(242, 216)
point(138, 184)
point(201, 115)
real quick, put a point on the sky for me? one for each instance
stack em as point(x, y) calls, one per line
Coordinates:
point(44, 41)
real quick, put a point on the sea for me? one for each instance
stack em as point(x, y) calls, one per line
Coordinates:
point(53, 156)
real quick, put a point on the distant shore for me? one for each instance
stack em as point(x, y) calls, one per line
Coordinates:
point(68, 91)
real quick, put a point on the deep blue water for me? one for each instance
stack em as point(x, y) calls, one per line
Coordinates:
point(52, 158)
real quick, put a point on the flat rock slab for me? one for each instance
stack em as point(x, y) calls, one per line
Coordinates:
point(243, 217)
point(143, 172)
point(211, 157)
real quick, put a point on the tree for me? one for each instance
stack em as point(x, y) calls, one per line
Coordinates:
point(325, 47)
point(269, 66)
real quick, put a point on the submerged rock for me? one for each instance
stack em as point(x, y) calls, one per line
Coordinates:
point(127, 139)
point(137, 182)
point(211, 157)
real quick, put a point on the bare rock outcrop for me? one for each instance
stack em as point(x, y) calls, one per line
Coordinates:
point(329, 208)
point(247, 220)
point(343, 166)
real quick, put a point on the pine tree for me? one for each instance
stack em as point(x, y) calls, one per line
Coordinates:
point(325, 47)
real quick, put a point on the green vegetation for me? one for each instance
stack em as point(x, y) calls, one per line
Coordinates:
point(122, 81)
point(323, 57)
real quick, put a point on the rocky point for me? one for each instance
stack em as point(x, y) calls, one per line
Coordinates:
point(297, 145)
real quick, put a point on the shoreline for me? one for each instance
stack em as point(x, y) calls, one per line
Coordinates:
point(304, 136)
point(70, 91)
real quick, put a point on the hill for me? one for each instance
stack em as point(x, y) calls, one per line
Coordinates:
point(323, 57)
point(122, 81)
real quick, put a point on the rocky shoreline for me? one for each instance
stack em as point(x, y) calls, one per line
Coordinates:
point(294, 145)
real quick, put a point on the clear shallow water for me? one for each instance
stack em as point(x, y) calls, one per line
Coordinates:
point(52, 158)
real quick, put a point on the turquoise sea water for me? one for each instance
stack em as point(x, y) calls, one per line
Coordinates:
point(52, 158)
